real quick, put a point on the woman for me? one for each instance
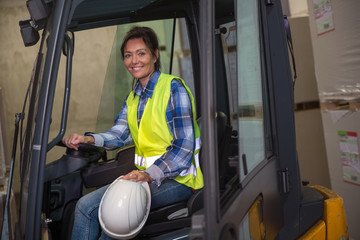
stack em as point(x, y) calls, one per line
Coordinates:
point(158, 115)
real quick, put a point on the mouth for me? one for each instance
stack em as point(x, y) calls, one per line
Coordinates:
point(136, 68)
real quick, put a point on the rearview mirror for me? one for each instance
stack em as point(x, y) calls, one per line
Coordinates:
point(29, 35)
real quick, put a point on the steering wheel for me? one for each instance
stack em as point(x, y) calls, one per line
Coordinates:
point(73, 160)
point(89, 151)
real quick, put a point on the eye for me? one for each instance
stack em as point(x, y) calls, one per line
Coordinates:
point(142, 53)
point(127, 55)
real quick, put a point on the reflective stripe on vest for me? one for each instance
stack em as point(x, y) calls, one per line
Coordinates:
point(152, 138)
point(142, 162)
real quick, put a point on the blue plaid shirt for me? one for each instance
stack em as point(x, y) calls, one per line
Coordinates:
point(179, 121)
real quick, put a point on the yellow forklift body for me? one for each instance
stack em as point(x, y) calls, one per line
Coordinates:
point(316, 232)
point(256, 221)
point(334, 215)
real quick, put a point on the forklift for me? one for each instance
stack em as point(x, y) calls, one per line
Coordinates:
point(235, 59)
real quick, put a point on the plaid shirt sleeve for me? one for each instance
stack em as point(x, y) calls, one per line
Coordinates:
point(179, 117)
point(118, 135)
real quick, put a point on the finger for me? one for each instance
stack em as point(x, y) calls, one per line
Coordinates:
point(79, 139)
point(134, 176)
point(70, 145)
point(131, 176)
point(68, 142)
point(74, 145)
point(144, 177)
point(74, 140)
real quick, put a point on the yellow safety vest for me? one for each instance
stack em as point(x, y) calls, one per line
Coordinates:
point(152, 137)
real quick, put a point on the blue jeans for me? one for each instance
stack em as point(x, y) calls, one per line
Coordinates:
point(86, 223)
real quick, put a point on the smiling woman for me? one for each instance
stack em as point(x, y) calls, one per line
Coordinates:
point(159, 117)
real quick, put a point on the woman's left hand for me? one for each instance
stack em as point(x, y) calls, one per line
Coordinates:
point(137, 176)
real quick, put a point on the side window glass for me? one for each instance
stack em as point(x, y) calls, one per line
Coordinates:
point(181, 61)
point(249, 77)
point(230, 55)
point(229, 49)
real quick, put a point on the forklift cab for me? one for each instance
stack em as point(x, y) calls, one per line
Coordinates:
point(233, 55)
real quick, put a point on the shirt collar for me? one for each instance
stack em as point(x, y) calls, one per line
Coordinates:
point(149, 87)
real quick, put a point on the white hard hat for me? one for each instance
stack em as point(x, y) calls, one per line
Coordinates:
point(124, 208)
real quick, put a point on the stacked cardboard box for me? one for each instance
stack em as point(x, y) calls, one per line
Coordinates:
point(335, 34)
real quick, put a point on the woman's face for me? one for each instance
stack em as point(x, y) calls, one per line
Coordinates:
point(139, 60)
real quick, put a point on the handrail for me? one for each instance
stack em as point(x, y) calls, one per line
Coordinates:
point(70, 50)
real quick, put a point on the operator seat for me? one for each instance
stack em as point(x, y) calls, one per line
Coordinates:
point(178, 215)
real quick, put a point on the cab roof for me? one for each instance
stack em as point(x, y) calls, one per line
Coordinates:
point(86, 14)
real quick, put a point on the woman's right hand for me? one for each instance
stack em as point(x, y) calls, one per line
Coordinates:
point(75, 139)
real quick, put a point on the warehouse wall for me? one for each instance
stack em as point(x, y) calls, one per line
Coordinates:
point(15, 68)
point(16, 63)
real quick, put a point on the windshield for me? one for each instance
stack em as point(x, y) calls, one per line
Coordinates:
point(100, 82)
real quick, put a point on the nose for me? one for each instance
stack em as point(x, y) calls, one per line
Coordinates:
point(134, 59)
